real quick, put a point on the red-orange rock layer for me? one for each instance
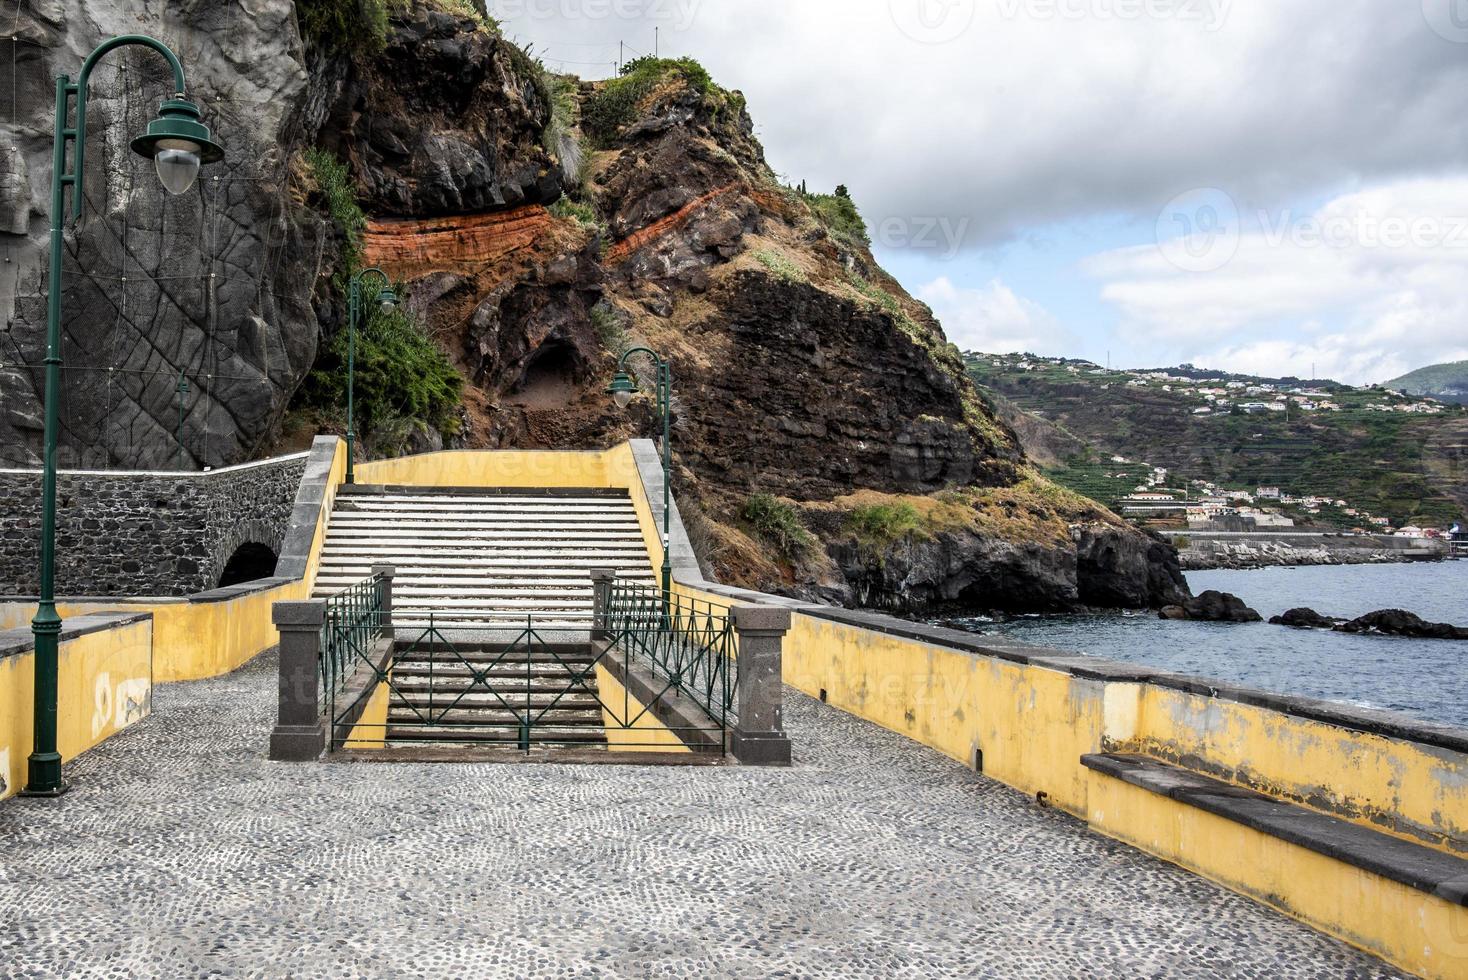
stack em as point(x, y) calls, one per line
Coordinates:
point(645, 236)
point(411, 248)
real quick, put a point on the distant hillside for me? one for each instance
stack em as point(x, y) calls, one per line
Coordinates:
point(1445, 382)
point(1395, 456)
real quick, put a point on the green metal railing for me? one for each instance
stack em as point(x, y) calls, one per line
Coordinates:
point(689, 642)
point(353, 624)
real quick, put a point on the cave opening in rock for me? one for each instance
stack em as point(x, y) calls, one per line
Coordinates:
point(550, 377)
point(249, 562)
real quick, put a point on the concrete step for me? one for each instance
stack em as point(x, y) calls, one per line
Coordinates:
point(480, 719)
point(552, 696)
point(484, 737)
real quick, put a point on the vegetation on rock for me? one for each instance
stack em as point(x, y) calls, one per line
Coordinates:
point(617, 102)
point(403, 379)
point(777, 523)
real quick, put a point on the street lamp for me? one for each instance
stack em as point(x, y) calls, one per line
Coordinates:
point(387, 301)
point(622, 388)
point(178, 142)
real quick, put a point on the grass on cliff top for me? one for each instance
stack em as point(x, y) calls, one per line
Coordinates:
point(1032, 509)
point(838, 212)
point(617, 103)
point(359, 27)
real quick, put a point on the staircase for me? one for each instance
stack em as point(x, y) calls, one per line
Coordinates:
point(484, 559)
point(544, 686)
point(482, 566)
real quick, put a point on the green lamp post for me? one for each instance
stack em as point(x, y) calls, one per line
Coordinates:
point(387, 301)
point(622, 388)
point(177, 142)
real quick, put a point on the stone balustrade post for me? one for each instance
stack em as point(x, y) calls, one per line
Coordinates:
point(601, 586)
point(759, 735)
point(384, 617)
point(300, 733)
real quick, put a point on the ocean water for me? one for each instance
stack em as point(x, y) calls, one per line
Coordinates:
point(1426, 679)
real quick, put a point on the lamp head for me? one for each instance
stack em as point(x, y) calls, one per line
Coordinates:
point(387, 300)
point(622, 389)
point(178, 143)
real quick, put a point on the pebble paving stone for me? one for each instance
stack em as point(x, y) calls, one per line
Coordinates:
point(183, 852)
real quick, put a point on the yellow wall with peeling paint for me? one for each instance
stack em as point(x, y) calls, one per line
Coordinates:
point(1418, 792)
point(105, 684)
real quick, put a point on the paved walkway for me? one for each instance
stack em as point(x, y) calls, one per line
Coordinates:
point(182, 852)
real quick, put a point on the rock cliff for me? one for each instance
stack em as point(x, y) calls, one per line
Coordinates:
point(541, 224)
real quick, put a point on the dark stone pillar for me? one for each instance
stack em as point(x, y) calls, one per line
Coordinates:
point(300, 734)
point(384, 617)
point(601, 584)
point(759, 737)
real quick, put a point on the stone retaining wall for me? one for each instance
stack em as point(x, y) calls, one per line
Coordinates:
point(143, 534)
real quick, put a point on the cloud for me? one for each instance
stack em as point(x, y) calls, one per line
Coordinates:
point(1370, 284)
point(994, 319)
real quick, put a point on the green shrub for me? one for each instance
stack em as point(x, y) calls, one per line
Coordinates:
point(615, 104)
point(838, 212)
point(346, 26)
point(883, 524)
point(359, 27)
point(401, 375)
point(780, 264)
point(583, 212)
point(339, 194)
point(608, 326)
point(777, 523)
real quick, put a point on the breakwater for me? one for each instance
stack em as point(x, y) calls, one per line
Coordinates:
point(1205, 550)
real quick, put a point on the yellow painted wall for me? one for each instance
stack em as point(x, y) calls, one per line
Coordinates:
point(630, 728)
point(105, 684)
point(1421, 932)
point(370, 731)
point(470, 468)
point(1416, 791)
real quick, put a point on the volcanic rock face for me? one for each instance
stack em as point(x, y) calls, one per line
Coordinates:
point(214, 285)
point(446, 120)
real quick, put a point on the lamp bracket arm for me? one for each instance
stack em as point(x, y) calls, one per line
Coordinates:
point(78, 134)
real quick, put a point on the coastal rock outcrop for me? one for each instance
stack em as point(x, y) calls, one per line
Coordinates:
point(1212, 607)
point(1305, 619)
point(540, 226)
point(1399, 622)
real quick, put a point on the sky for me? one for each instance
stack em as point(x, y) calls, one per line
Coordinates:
point(1266, 186)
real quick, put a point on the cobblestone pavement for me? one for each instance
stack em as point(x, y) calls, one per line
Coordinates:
point(183, 852)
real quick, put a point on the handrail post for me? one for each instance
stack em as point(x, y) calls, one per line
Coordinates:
point(384, 613)
point(759, 734)
point(299, 735)
point(601, 587)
